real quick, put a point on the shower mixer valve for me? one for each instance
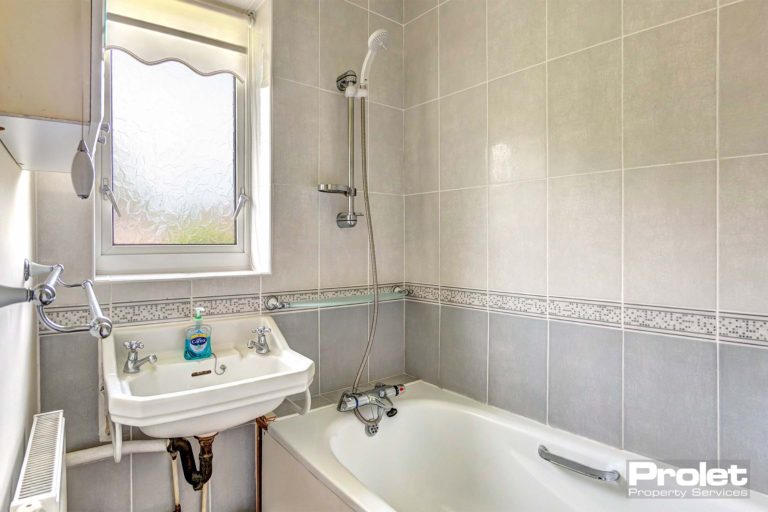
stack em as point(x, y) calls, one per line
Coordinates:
point(379, 398)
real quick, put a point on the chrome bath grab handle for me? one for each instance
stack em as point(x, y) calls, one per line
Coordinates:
point(598, 474)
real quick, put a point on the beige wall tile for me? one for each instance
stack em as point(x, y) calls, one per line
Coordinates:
point(743, 78)
point(343, 40)
point(517, 237)
point(669, 235)
point(422, 225)
point(295, 129)
point(343, 252)
point(385, 142)
point(156, 290)
point(296, 25)
point(669, 93)
point(463, 232)
point(421, 59)
point(413, 8)
point(517, 126)
point(576, 24)
point(387, 212)
point(585, 111)
point(422, 148)
point(585, 236)
point(392, 9)
point(744, 235)
point(387, 78)
point(516, 35)
point(238, 285)
point(642, 14)
point(463, 139)
point(462, 45)
point(295, 238)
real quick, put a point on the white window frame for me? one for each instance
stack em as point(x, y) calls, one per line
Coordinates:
point(114, 262)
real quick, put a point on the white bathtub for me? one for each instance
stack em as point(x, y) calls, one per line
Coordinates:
point(444, 452)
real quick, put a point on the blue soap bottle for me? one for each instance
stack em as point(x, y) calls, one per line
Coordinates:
point(198, 339)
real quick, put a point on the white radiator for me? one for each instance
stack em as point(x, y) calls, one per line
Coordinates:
point(42, 483)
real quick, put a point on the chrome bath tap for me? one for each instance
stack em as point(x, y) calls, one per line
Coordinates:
point(133, 364)
point(260, 343)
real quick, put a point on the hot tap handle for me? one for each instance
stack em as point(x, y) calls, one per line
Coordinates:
point(261, 330)
point(133, 345)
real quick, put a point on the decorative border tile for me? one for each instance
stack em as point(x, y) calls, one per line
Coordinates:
point(464, 297)
point(423, 292)
point(586, 311)
point(154, 311)
point(533, 305)
point(743, 328)
point(230, 305)
point(681, 322)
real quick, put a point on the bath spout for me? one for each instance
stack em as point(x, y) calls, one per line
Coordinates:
point(196, 478)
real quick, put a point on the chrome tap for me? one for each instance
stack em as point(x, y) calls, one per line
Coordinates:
point(260, 343)
point(133, 363)
point(380, 398)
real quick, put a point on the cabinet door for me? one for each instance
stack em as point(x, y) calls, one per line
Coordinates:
point(45, 58)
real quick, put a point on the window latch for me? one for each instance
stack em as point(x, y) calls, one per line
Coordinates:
point(241, 200)
point(108, 195)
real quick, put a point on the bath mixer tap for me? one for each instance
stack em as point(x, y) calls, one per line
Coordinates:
point(380, 398)
point(133, 364)
point(260, 343)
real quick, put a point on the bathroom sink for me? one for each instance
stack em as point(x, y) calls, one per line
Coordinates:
point(176, 398)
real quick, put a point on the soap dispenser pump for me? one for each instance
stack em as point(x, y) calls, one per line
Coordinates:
point(198, 339)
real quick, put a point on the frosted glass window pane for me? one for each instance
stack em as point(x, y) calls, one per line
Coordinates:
point(173, 154)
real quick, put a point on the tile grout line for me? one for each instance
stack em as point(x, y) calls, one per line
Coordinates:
point(546, 202)
point(487, 225)
point(439, 212)
point(623, 235)
point(717, 234)
point(318, 207)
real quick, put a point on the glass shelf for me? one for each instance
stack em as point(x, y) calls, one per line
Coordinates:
point(273, 303)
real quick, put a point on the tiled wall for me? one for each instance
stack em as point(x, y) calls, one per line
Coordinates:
point(586, 216)
point(314, 41)
point(18, 382)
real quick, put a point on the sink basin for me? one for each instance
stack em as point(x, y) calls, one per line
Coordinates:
point(178, 398)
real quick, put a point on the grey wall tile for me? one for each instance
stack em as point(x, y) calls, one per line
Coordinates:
point(295, 34)
point(517, 126)
point(464, 351)
point(642, 14)
point(516, 35)
point(517, 378)
point(294, 244)
point(744, 235)
point(743, 402)
point(585, 236)
point(585, 381)
point(463, 232)
point(388, 352)
point(669, 235)
point(343, 40)
point(70, 381)
point(576, 24)
point(386, 150)
point(343, 335)
point(669, 93)
point(153, 485)
point(387, 212)
point(387, 81)
point(295, 131)
point(233, 483)
point(585, 111)
point(343, 252)
point(517, 237)
point(422, 148)
point(670, 401)
point(463, 141)
point(102, 486)
point(743, 75)
point(462, 45)
point(421, 59)
point(413, 8)
point(392, 9)
point(422, 242)
point(301, 333)
point(422, 340)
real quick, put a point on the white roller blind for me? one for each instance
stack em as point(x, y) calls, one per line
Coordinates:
point(205, 38)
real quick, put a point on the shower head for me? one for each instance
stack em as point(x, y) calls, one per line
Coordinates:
point(378, 41)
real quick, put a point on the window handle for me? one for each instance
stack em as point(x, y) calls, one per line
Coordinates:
point(108, 195)
point(241, 200)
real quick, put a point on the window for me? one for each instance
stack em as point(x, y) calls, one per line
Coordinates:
point(184, 188)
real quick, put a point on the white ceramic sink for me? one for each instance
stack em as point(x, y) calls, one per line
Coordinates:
point(176, 398)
